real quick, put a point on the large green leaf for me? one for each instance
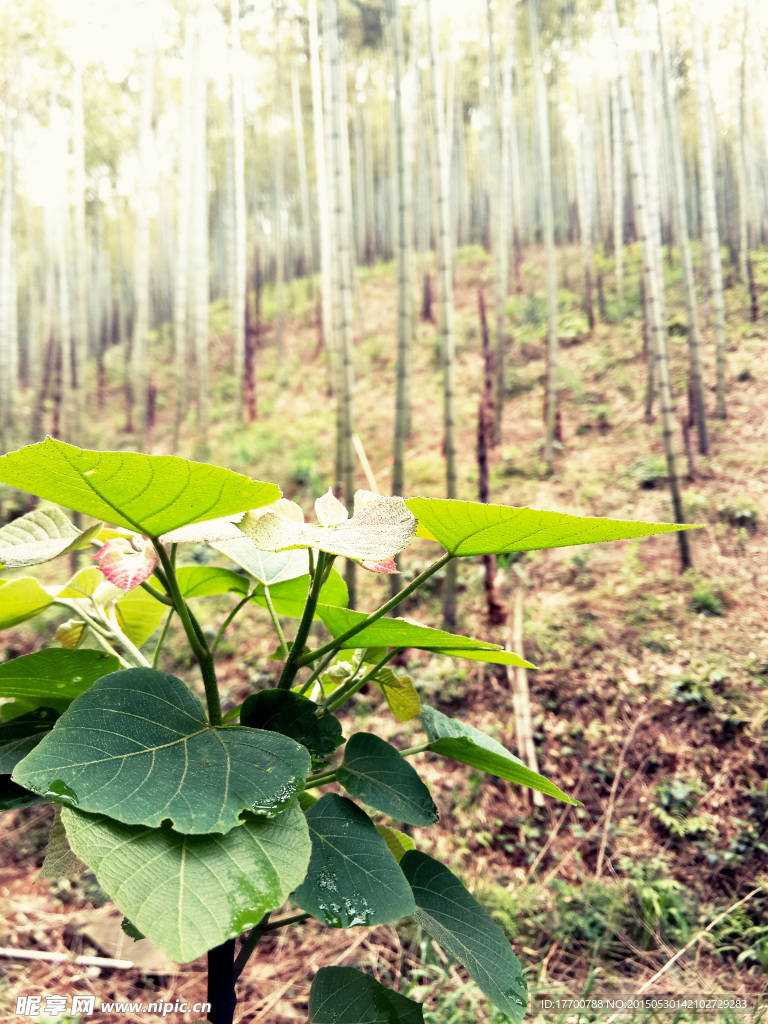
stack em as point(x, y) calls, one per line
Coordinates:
point(190, 893)
point(21, 734)
point(266, 566)
point(54, 674)
point(290, 596)
point(352, 878)
point(474, 528)
point(456, 920)
point(40, 535)
point(20, 600)
point(343, 995)
point(387, 632)
point(149, 493)
point(137, 746)
point(464, 743)
point(295, 716)
point(378, 775)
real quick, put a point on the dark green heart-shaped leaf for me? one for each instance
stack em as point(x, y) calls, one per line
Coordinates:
point(39, 536)
point(21, 734)
point(343, 995)
point(352, 877)
point(474, 528)
point(190, 893)
point(387, 632)
point(289, 596)
point(20, 600)
point(149, 493)
point(378, 775)
point(268, 567)
point(295, 716)
point(464, 743)
point(54, 673)
point(456, 920)
point(137, 746)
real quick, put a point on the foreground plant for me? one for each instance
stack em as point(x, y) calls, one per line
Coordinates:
point(199, 828)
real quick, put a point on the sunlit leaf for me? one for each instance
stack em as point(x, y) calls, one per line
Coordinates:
point(152, 494)
point(54, 674)
point(20, 600)
point(39, 536)
point(475, 528)
point(398, 843)
point(138, 615)
point(268, 567)
point(127, 563)
point(399, 692)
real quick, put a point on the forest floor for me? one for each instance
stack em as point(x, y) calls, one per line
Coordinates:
point(650, 701)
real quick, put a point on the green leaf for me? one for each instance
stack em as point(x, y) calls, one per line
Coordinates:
point(139, 614)
point(378, 775)
point(474, 528)
point(456, 920)
point(352, 878)
point(54, 673)
point(289, 597)
point(21, 734)
point(60, 860)
point(83, 584)
point(149, 493)
point(21, 600)
point(138, 746)
point(398, 843)
point(190, 893)
point(266, 566)
point(39, 536)
point(205, 580)
point(343, 995)
point(400, 694)
point(295, 716)
point(387, 632)
point(464, 743)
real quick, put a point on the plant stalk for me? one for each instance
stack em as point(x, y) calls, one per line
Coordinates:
point(221, 983)
point(334, 645)
point(349, 689)
point(293, 661)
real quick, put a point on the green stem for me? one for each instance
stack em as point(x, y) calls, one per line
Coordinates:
point(335, 644)
point(157, 594)
point(249, 944)
point(283, 921)
point(320, 780)
point(318, 671)
point(276, 623)
point(101, 635)
point(196, 639)
point(293, 661)
point(225, 624)
point(415, 750)
point(111, 619)
point(163, 635)
point(350, 688)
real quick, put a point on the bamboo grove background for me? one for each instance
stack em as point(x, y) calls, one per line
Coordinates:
point(164, 160)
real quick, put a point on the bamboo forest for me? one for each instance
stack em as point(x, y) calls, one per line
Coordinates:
point(512, 254)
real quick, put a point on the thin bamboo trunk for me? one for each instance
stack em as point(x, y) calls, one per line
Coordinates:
point(140, 347)
point(199, 240)
point(184, 224)
point(506, 201)
point(277, 207)
point(709, 210)
point(548, 219)
point(7, 294)
point(521, 698)
point(237, 312)
point(673, 139)
point(495, 610)
point(445, 292)
point(80, 258)
point(618, 195)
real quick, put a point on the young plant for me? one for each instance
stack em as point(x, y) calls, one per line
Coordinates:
point(197, 827)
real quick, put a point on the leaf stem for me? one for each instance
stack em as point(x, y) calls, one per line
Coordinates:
point(248, 945)
point(415, 750)
point(276, 623)
point(225, 624)
point(283, 921)
point(163, 635)
point(293, 661)
point(335, 644)
point(101, 635)
point(318, 671)
point(157, 594)
point(320, 780)
point(351, 687)
point(195, 636)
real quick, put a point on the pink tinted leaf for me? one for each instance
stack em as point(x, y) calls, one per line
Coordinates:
point(126, 563)
point(386, 565)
